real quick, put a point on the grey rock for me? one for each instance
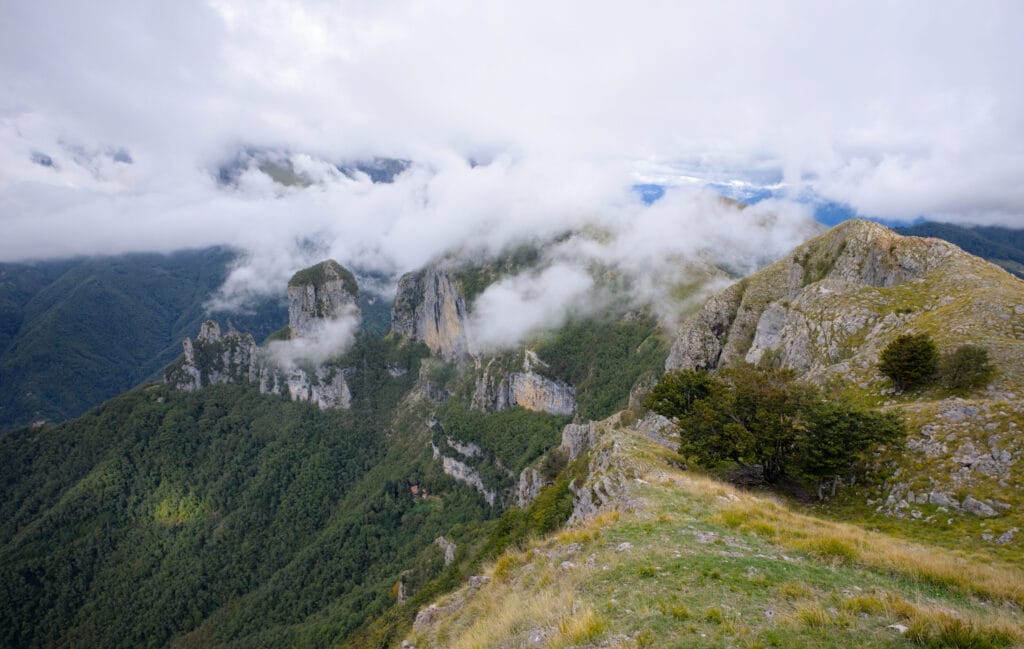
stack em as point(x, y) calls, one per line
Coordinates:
point(529, 390)
point(977, 507)
point(763, 312)
point(1007, 536)
point(321, 293)
point(213, 358)
point(944, 499)
point(577, 439)
point(465, 474)
point(529, 485)
point(448, 547)
point(429, 308)
point(476, 581)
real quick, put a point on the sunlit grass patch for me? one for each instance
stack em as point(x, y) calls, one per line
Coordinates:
point(577, 628)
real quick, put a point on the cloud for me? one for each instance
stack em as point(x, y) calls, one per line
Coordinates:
point(330, 339)
point(896, 110)
point(512, 308)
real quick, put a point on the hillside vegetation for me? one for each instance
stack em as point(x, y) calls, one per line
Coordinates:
point(677, 559)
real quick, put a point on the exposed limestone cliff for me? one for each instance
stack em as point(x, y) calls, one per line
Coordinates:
point(214, 358)
point(429, 308)
point(767, 311)
point(465, 474)
point(320, 293)
point(317, 297)
point(498, 390)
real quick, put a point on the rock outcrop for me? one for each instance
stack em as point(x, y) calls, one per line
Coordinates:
point(214, 358)
point(577, 439)
point(497, 390)
point(429, 308)
point(775, 310)
point(465, 474)
point(829, 309)
point(317, 297)
point(318, 294)
point(529, 485)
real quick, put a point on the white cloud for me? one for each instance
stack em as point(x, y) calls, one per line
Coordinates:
point(329, 339)
point(512, 308)
point(898, 110)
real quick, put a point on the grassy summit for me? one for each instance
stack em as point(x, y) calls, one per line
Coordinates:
point(325, 271)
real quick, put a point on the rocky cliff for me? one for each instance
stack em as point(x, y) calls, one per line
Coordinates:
point(318, 297)
point(768, 311)
point(214, 358)
point(498, 389)
point(428, 307)
point(319, 294)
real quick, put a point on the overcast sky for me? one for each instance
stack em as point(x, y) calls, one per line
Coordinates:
point(114, 116)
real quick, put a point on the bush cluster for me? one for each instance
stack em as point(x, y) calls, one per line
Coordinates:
point(913, 361)
point(754, 415)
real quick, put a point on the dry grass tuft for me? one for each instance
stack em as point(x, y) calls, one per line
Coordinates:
point(578, 628)
point(839, 542)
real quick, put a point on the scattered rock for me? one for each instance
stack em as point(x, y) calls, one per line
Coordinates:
point(476, 581)
point(977, 507)
point(622, 547)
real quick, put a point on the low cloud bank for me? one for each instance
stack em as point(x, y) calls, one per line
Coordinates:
point(330, 339)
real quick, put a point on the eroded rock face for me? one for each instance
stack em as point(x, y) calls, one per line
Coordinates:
point(320, 293)
point(465, 474)
point(794, 308)
point(317, 296)
point(214, 358)
point(530, 483)
point(496, 391)
point(577, 439)
point(429, 308)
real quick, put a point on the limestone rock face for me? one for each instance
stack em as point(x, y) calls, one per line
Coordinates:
point(530, 483)
point(465, 474)
point(577, 439)
point(429, 308)
point(535, 392)
point(214, 358)
point(322, 292)
point(780, 309)
point(495, 390)
point(317, 296)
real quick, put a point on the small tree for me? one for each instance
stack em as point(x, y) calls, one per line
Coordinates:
point(676, 392)
point(966, 368)
point(910, 361)
point(840, 440)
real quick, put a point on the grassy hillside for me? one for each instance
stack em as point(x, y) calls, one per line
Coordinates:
point(676, 559)
point(75, 333)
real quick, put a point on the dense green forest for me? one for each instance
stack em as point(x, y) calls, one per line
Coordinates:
point(75, 333)
point(226, 518)
point(223, 517)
